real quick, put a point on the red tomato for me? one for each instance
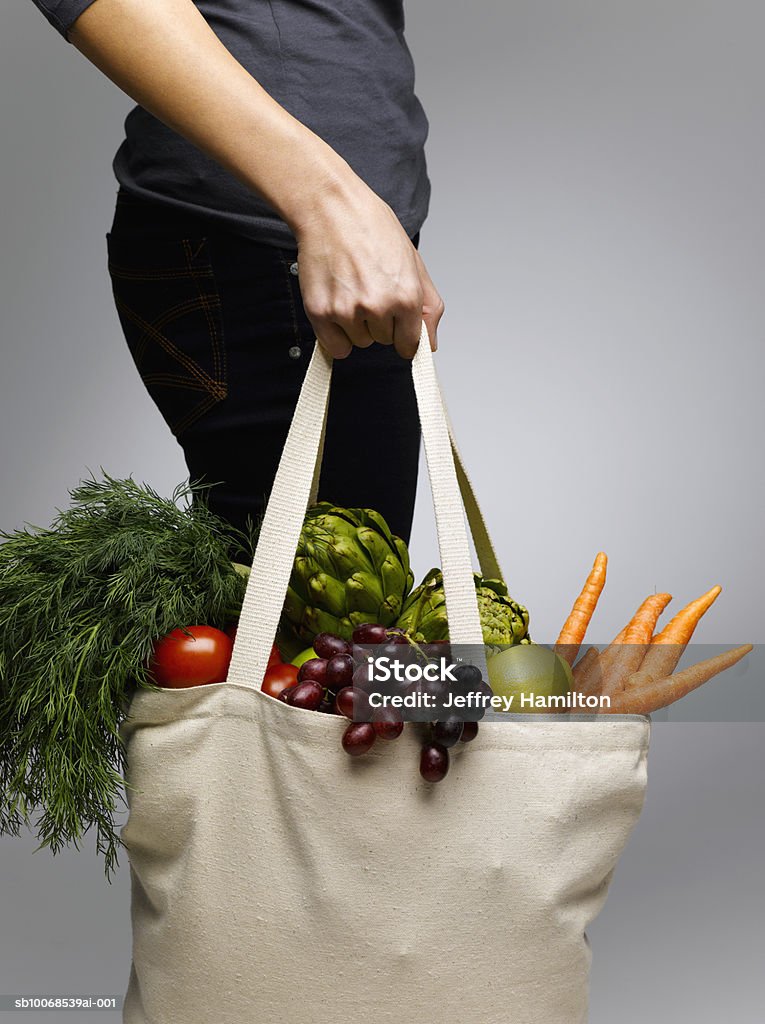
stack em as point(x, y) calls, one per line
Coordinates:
point(278, 678)
point(274, 658)
point(180, 660)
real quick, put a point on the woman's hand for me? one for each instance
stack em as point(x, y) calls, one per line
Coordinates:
point(361, 279)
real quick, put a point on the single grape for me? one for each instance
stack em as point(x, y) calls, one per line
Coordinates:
point(397, 636)
point(484, 691)
point(437, 648)
point(434, 688)
point(393, 651)
point(387, 724)
point(361, 655)
point(400, 654)
point(469, 732)
point(284, 696)
point(345, 701)
point(353, 703)
point(361, 678)
point(358, 738)
point(370, 633)
point(314, 668)
point(436, 691)
point(307, 695)
point(327, 645)
point(434, 762)
point(469, 682)
point(402, 687)
point(339, 672)
point(448, 732)
point(468, 676)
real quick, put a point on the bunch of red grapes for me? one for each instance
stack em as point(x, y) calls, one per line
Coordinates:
point(334, 683)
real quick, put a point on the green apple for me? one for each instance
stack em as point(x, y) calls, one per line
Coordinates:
point(305, 655)
point(529, 670)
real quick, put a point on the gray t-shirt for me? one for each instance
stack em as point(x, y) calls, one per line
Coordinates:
point(341, 67)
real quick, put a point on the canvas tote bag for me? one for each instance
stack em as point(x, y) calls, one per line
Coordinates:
point(275, 880)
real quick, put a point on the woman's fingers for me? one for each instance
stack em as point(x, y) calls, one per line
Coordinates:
point(380, 327)
point(343, 330)
point(357, 331)
point(407, 329)
point(432, 303)
point(332, 338)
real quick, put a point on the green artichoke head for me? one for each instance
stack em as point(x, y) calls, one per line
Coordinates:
point(349, 569)
point(503, 620)
point(423, 616)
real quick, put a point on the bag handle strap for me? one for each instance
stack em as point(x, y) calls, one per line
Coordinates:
point(314, 492)
point(295, 482)
point(484, 548)
point(487, 556)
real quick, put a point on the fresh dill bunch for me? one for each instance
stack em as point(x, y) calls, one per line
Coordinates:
point(81, 606)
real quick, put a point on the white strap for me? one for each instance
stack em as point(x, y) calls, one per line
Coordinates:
point(453, 544)
point(314, 493)
point(294, 485)
point(281, 526)
point(484, 549)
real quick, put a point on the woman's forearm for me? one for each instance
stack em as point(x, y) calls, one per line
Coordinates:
point(361, 279)
point(165, 56)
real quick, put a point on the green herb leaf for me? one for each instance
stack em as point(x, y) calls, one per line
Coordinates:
point(81, 606)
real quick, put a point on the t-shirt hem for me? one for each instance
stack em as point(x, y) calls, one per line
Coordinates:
point(270, 231)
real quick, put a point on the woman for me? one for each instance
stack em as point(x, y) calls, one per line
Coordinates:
point(272, 187)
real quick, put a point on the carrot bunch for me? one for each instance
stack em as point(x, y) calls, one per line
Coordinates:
point(636, 669)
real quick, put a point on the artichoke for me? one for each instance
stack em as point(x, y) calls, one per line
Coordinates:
point(504, 621)
point(349, 569)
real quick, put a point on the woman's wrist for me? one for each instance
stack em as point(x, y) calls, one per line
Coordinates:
point(316, 184)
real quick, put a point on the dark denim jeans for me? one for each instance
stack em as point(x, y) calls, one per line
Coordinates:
point(217, 330)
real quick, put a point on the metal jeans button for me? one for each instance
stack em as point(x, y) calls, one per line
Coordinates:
point(293, 268)
point(295, 352)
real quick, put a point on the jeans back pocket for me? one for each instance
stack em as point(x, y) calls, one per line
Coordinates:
point(170, 310)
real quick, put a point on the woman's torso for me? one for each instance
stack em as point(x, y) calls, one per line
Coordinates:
point(342, 68)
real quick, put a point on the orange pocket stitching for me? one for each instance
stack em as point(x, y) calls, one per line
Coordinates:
point(194, 369)
point(171, 273)
point(188, 306)
point(220, 369)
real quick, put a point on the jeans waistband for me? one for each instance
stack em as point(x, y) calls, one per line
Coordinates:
point(144, 218)
point(140, 217)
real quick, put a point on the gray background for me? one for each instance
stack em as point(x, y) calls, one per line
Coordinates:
point(597, 232)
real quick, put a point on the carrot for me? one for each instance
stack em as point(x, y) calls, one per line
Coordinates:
point(590, 678)
point(667, 646)
point(575, 626)
point(659, 693)
point(628, 654)
point(585, 663)
point(626, 651)
point(679, 630)
point(639, 630)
